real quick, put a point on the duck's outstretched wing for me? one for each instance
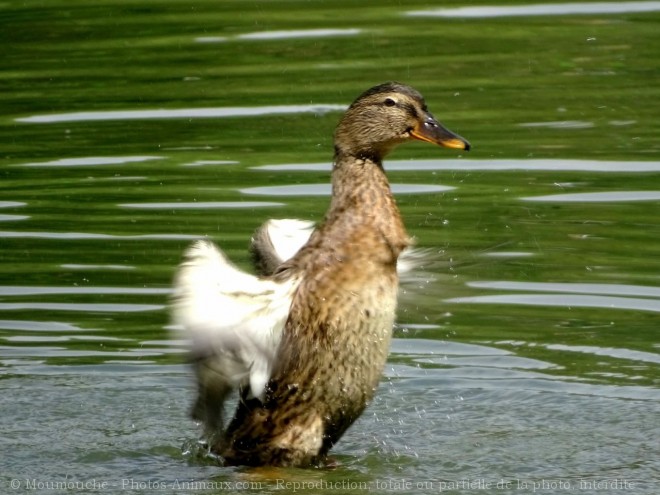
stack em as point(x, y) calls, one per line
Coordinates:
point(233, 320)
point(278, 240)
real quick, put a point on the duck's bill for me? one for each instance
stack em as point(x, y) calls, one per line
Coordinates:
point(434, 132)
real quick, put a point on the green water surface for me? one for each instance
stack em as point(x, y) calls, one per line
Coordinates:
point(526, 356)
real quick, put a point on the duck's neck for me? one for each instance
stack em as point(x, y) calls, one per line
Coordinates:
point(361, 194)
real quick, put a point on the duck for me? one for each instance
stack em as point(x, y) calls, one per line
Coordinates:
point(305, 341)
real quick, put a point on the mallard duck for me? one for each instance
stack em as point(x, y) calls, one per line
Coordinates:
point(306, 345)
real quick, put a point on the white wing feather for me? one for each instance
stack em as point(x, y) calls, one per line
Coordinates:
point(288, 235)
point(230, 316)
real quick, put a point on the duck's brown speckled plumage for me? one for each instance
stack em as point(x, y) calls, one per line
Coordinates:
point(325, 377)
point(336, 338)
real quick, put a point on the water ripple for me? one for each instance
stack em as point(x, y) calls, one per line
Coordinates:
point(463, 378)
point(579, 288)
point(62, 338)
point(98, 307)
point(464, 367)
point(560, 124)
point(298, 33)
point(91, 161)
point(13, 218)
point(326, 189)
point(598, 197)
point(281, 35)
point(502, 362)
point(181, 113)
point(38, 326)
point(201, 205)
point(564, 300)
point(508, 254)
point(20, 290)
point(500, 164)
point(417, 347)
point(540, 9)
point(203, 163)
point(446, 353)
point(61, 352)
point(75, 266)
point(211, 39)
point(618, 353)
point(90, 235)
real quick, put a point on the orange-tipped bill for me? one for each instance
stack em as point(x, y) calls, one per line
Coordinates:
point(434, 132)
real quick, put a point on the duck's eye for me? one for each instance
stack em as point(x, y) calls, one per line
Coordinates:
point(389, 102)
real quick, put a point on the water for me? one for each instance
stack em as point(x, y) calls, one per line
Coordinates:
point(526, 356)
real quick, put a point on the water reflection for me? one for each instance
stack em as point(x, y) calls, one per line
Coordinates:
point(211, 39)
point(647, 357)
point(467, 164)
point(62, 352)
point(598, 197)
point(85, 307)
point(443, 348)
point(438, 365)
point(38, 326)
point(115, 178)
point(74, 266)
point(564, 300)
point(502, 362)
point(17, 290)
point(508, 254)
point(281, 35)
point(447, 353)
point(91, 235)
point(201, 205)
point(62, 338)
point(12, 218)
point(298, 33)
point(203, 163)
point(181, 113)
point(560, 124)
point(572, 295)
point(541, 9)
point(577, 288)
point(91, 161)
point(326, 189)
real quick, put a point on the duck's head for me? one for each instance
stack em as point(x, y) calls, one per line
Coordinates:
point(387, 115)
